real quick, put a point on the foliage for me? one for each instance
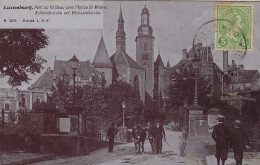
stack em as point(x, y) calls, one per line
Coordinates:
point(18, 53)
point(183, 89)
point(118, 92)
point(100, 104)
point(62, 93)
point(251, 109)
point(152, 115)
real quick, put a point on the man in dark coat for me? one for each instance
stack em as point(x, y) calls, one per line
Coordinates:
point(112, 131)
point(239, 142)
point(221, 137)
point(150, 136)
point(158, 135)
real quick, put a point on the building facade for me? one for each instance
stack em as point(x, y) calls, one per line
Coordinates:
point(207, 67)
point(13, 100)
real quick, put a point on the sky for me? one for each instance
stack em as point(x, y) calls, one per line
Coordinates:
point(174, 27)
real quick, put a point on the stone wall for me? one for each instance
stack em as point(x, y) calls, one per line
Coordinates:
point(200, 146)
point(70, 145)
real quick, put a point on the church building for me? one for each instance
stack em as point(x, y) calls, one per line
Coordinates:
point(150, 78)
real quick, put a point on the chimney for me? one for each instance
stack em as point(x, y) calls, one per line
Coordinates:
point(225, 61)
point(184, 53)
point(237, 78)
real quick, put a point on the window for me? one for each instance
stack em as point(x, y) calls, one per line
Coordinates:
point(23, 102)
point(242, 87)
point(38, 101)
point(78, 78)
point(63, 65)
point(145, 47)
point(7, 107)
point(145, 56)
point(209, 71)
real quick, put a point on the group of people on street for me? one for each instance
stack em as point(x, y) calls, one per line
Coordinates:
point(153, 132)
point(235, 138)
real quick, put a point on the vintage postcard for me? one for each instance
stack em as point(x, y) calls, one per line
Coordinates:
point(129, 82)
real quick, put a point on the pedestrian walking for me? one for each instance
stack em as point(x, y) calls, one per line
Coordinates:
point(221, 136)
point(150, 136)
point(112, 131)
point(239, 141)
point(158, 135)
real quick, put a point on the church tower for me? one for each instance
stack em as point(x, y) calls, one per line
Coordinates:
point(120, 33)
point(145, 50)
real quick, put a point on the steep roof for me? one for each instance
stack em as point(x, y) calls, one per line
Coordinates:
point(101, 59)
point(121, 57)
point(44, 81)
point(159, 61)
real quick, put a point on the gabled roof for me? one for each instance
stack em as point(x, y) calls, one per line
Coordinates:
point(159, 61)
point(101, 59)
point(44, 81)
point(121, 57)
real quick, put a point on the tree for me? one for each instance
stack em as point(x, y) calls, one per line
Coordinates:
point(62, 93)
point(18, 53)
point(183, 88)
point(118, 92)
point(103, 105)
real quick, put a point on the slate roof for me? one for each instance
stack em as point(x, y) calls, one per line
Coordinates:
point(247, 76)
point(85, 69)
point(44, 81)
point(101, 59)
point(121, 57)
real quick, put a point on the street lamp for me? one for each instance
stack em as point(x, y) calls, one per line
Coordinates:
point(74, 65)
point(123, 106)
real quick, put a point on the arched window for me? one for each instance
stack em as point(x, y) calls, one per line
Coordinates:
point(145, 47)
point(136, 84)
point(23, 102)
point(37, 101)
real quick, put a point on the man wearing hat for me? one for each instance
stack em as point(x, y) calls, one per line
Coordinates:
point(221, 136)
point(112, 131)
point(239, 141)
point(158, 135)
point(150, 136)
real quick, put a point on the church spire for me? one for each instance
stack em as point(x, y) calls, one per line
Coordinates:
point(120, 34)
point(168, 64)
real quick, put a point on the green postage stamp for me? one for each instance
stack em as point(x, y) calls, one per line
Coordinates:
point(234, 26)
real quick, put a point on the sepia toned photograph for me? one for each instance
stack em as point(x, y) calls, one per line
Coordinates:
point(161, 83)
